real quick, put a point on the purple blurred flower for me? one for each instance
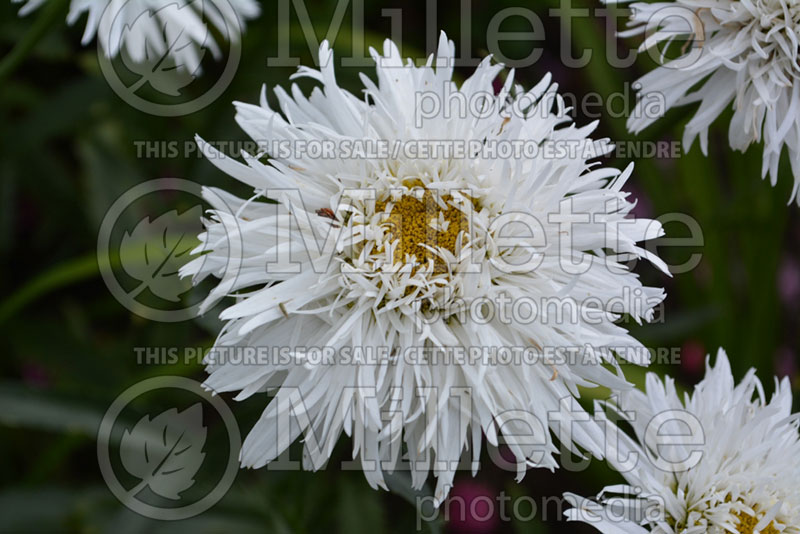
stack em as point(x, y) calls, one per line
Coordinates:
point(693, 357)
point(789, 281)
point(472, 508)
point(643, 208)
point(785, 363)
point(497, 85)
point(35, 376)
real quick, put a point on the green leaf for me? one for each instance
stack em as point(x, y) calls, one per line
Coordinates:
point(39, 410)
point(35, 510)
point(107, 174)
point(59, 276)
point(359, 510)
point(399, 483)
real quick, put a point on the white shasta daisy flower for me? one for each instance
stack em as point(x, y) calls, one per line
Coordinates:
point(744, 54)
point(420, 264)
point(743, 481)
point(150, 29)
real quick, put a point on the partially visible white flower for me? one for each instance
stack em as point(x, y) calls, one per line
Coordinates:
point(745, 480)
point(420, 268)
point(744, 55)
point(154, 28)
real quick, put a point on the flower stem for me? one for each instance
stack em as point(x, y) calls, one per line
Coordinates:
point(52, 11)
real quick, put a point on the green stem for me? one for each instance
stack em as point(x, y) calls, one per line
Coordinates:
point(59, 276)
point(62, 275)
point(52, 11)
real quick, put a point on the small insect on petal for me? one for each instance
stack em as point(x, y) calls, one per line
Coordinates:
point(326, 212)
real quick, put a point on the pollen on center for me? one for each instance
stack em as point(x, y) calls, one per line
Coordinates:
point(747, 524)
point(421, 219)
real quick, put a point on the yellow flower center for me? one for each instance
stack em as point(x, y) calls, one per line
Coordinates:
point(420, 220)
point(747, 524)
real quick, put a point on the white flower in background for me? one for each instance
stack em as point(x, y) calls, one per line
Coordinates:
point(744, 56)
point(744, 481)
point(417, 239)
point(151, 29)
